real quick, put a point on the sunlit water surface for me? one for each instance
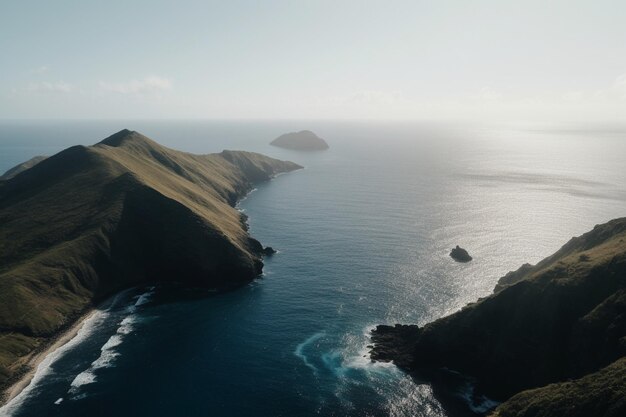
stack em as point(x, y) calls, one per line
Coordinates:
point(363, 235)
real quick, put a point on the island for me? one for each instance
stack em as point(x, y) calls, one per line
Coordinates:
point(550, 341)
point(305, 140)
point(460, 255)
point(79, 226)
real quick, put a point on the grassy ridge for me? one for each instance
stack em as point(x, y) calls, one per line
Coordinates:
point(22, 167)
point(89, 221)
point(561, 319)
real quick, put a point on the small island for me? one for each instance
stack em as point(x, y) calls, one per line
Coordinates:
point(460, 255)
point(305, 140)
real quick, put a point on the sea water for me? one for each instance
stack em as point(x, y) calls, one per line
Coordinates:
point(363, 235)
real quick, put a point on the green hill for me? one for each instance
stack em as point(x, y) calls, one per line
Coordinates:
point(90, 221)
point(561, 320)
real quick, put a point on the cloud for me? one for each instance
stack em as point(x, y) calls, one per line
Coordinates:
point(48, 87)
point(147, 85)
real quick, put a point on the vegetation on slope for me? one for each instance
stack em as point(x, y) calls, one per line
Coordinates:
point(562, 319)
point(22, 167)
point(597, 394)
point(89, 221)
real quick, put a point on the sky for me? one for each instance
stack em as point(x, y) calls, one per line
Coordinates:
point(497, 60)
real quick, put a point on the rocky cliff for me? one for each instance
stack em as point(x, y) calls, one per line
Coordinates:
point(561, 320)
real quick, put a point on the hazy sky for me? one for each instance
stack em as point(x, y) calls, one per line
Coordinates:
point(496, 60)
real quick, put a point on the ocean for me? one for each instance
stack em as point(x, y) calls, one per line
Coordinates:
point(363, 235)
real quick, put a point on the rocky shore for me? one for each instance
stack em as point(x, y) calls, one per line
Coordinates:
point(548, 327)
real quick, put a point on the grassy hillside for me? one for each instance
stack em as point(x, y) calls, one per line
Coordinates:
point(562, 319)
point(89, 221)
point(597, 394)
point(22, 167)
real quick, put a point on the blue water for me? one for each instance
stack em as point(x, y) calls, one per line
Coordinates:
point(363, 234)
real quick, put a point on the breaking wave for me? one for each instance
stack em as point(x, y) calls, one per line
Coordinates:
point(108, 351)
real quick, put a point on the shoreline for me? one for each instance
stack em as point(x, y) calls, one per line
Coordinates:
point(31, 362)
point(27, 366)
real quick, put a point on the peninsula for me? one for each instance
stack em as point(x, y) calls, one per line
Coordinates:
point(305, 140)
point(92, 220)
point(550, 341)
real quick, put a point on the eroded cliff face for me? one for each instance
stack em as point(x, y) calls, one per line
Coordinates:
point(561, 319)
point(90, 221)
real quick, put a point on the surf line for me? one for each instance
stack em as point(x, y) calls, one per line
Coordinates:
point(299, 352)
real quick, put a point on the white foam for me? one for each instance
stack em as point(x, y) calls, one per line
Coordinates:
point(479, 404)
point(244, 198)
point(107, 357)
point(299, 352)
point(108, 353)
point(126, 325)
point(355, 357)
point(113, 341)
point(59, 401)
point(144, 298)
point(141, 299)
point(88, 327)
point(105, 360)
point(84, 378)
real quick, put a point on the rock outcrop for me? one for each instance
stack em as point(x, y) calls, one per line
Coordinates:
point(269, 251)
point(460, 255)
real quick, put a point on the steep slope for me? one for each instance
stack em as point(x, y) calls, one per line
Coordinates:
point(562, 319)
point(597, 394)
point(90, 221)
point(22, 167)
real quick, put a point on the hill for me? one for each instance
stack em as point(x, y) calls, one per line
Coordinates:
point(304, 140)
point(90, 221)
point(22, 167)
point(561, 322)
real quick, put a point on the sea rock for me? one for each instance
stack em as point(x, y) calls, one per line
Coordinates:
point(460, 255)
point(268, 251)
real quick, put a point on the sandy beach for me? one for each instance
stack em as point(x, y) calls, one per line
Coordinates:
point(34, 360)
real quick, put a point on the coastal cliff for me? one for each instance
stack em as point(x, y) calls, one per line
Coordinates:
point(89, 221)
point(557, 328)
